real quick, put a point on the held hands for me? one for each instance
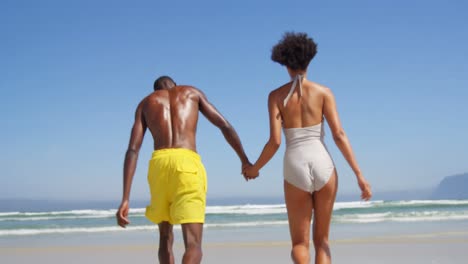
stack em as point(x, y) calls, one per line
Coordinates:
point(249, 171)
point(365, 187)
point(122, 214)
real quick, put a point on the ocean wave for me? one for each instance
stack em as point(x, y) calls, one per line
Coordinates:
point(247, 224)
point(136, 212)
point(356, 204)
point(427, 202)
point(59, 213)
point(422, 216)
point(63, 215)
point(24, 232)
point(248, 209)
point(391, 205)
point(281, 208)
point(48, 218)
point(254, 221)
point(45, 231)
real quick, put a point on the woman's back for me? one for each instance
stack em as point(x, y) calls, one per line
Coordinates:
point(310, 179)
point(304, 107)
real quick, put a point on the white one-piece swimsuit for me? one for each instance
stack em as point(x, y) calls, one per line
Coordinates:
point(307, 163)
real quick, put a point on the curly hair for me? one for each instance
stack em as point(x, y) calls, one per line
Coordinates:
point(294, 50)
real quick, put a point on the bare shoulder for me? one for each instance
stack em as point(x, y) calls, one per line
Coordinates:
point(143, 105)
point(187, 88)
point(190, 90)
point(276, 93)
point(152, 96)
point(322, 89)
point(147, 98)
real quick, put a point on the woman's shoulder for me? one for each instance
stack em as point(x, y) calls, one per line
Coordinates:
point(278, 91)
point(320, 88)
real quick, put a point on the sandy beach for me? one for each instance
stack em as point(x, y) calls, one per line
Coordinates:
point(438, 247)
point(412, 234)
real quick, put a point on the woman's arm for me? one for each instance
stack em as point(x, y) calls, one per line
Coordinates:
point(273, 142)
point(342, 142)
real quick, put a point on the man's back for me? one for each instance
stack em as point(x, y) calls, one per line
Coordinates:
point(172, 115)
point(176, 176)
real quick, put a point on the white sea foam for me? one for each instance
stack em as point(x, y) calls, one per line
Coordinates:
point(62, 215)
point(355, 205)
point(247, 209)
point(25, 232)
point(22, 232)
point(412, 216)
point(8, 213)
point(47, 218)
point(357, 211)
point(240, 209)
point(248, 224)
point(427, 202)
point(58, 213)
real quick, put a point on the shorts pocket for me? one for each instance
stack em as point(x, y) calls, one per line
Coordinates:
point(188, 173)
point(187, 165)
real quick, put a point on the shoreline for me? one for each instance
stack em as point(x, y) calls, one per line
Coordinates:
point(396, 232)
point(437, 247)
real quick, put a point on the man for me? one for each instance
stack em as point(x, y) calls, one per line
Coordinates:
point(176, 176)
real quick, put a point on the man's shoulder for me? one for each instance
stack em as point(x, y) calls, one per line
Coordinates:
point(156, 95)
point(152, 95)
point(188, 89)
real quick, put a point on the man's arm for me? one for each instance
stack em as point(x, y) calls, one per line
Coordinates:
point(131, 157)
point(229, 133)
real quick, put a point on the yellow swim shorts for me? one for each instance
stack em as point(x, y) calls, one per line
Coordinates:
point(177, 181)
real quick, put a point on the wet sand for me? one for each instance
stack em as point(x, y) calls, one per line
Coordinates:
point(424, 248)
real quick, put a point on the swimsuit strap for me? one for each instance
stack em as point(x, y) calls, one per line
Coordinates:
point(298, 78)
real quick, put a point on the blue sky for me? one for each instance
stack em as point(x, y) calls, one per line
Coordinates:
point(73, 73)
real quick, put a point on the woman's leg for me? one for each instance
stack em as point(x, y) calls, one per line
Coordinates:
point(299, 205)
point(323, 208)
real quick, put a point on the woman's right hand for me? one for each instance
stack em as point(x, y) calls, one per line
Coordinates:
point(366, 192)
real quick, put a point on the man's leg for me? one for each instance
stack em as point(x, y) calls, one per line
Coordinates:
point(193, 241)
point(166, 239)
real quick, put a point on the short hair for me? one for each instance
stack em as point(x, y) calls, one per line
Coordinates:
point(163, 82)
point(294, 50)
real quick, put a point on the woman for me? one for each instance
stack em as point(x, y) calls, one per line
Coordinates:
point(310, 178)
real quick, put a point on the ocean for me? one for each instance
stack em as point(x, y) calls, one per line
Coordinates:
point(227, 217)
